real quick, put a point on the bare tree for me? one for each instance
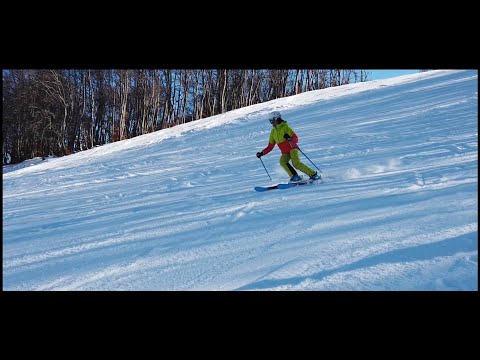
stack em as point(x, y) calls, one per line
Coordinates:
point(124, 83)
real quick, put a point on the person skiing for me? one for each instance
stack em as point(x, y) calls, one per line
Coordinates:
point(286, 139)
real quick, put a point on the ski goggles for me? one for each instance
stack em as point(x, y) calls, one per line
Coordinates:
point(272, 120)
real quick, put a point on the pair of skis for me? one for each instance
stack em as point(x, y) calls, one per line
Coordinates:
point(284, 185)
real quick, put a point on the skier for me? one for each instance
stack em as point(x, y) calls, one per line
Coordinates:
point(286, 139)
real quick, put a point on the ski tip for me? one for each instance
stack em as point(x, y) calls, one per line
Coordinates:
point(265, 188)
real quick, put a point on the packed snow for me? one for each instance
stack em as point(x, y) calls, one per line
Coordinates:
point(176, 209)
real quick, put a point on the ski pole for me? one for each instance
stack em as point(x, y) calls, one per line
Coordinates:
point(309, 160)
point(265, 168)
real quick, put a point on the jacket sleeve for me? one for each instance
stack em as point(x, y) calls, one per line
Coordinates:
point(294, 137)
point(271, 144)
point(290, 132)
point(268, 148)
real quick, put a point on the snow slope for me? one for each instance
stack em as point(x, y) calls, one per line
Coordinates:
point(176, 209)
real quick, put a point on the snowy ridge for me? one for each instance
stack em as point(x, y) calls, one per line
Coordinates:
point(176, 209)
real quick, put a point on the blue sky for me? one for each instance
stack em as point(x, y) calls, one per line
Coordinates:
point(385, 74)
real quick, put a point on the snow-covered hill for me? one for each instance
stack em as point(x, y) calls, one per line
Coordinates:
point(176, 209)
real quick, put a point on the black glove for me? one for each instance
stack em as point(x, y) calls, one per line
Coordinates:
point(287, 137)
point(260, 154)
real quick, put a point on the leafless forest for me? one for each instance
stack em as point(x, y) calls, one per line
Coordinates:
point(58, 112)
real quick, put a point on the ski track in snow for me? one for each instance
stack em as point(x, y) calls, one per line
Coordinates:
point(176, 209)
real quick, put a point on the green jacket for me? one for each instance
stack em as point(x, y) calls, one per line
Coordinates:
point(277, 137)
